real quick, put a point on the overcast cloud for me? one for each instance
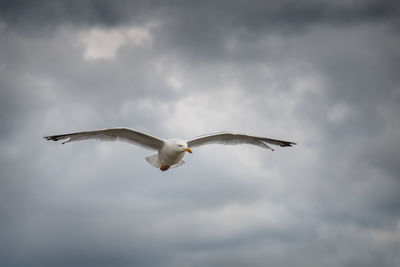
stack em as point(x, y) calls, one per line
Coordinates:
point(324, 74)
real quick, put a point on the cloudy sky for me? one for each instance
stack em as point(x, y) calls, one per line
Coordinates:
point(325, 74)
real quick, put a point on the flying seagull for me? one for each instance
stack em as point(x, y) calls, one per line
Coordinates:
point(170, 151)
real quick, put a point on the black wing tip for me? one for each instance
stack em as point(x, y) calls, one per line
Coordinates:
point(288, 144)
point(53, 137)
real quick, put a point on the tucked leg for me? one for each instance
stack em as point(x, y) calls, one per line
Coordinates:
point(164, 167)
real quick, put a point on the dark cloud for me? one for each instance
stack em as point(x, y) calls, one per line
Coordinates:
point(321, 73)
point(48, 14)
point(252, 13)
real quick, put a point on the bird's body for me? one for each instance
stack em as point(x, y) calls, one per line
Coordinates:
point(170, 151)
point(171, 154)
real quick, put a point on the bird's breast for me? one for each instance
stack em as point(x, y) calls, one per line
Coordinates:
point(169, 156)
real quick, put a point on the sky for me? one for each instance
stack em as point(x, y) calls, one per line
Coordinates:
point(324, 74)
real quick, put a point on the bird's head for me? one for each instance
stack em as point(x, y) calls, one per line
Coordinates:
point(182, 146)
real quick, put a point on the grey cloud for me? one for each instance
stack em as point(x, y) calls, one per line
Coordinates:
point(49, 14)
point(321, 73)
point(250, 13)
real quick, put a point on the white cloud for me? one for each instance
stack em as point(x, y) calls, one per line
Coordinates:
point(103, 43)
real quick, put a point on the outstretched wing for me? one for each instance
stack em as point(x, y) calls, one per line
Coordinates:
point(113, 134)
point(227, 138)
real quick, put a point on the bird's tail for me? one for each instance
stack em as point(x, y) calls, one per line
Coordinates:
point(153, 160)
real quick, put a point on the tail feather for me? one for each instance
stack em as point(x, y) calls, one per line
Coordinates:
point(153, 160)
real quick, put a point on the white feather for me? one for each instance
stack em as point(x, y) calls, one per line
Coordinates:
point(113, 134)
point(229, 138)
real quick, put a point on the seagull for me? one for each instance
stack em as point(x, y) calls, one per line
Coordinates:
point(170, 151)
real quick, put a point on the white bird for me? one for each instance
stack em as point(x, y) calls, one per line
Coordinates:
point(170, 151)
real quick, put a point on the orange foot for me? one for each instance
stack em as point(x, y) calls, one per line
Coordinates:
point(164, 167)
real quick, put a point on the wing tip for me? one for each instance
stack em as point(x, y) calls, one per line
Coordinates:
point(49, 138)
point(53, 137)
point(288, 144)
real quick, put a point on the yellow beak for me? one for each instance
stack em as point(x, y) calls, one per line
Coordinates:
point(188, 150)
